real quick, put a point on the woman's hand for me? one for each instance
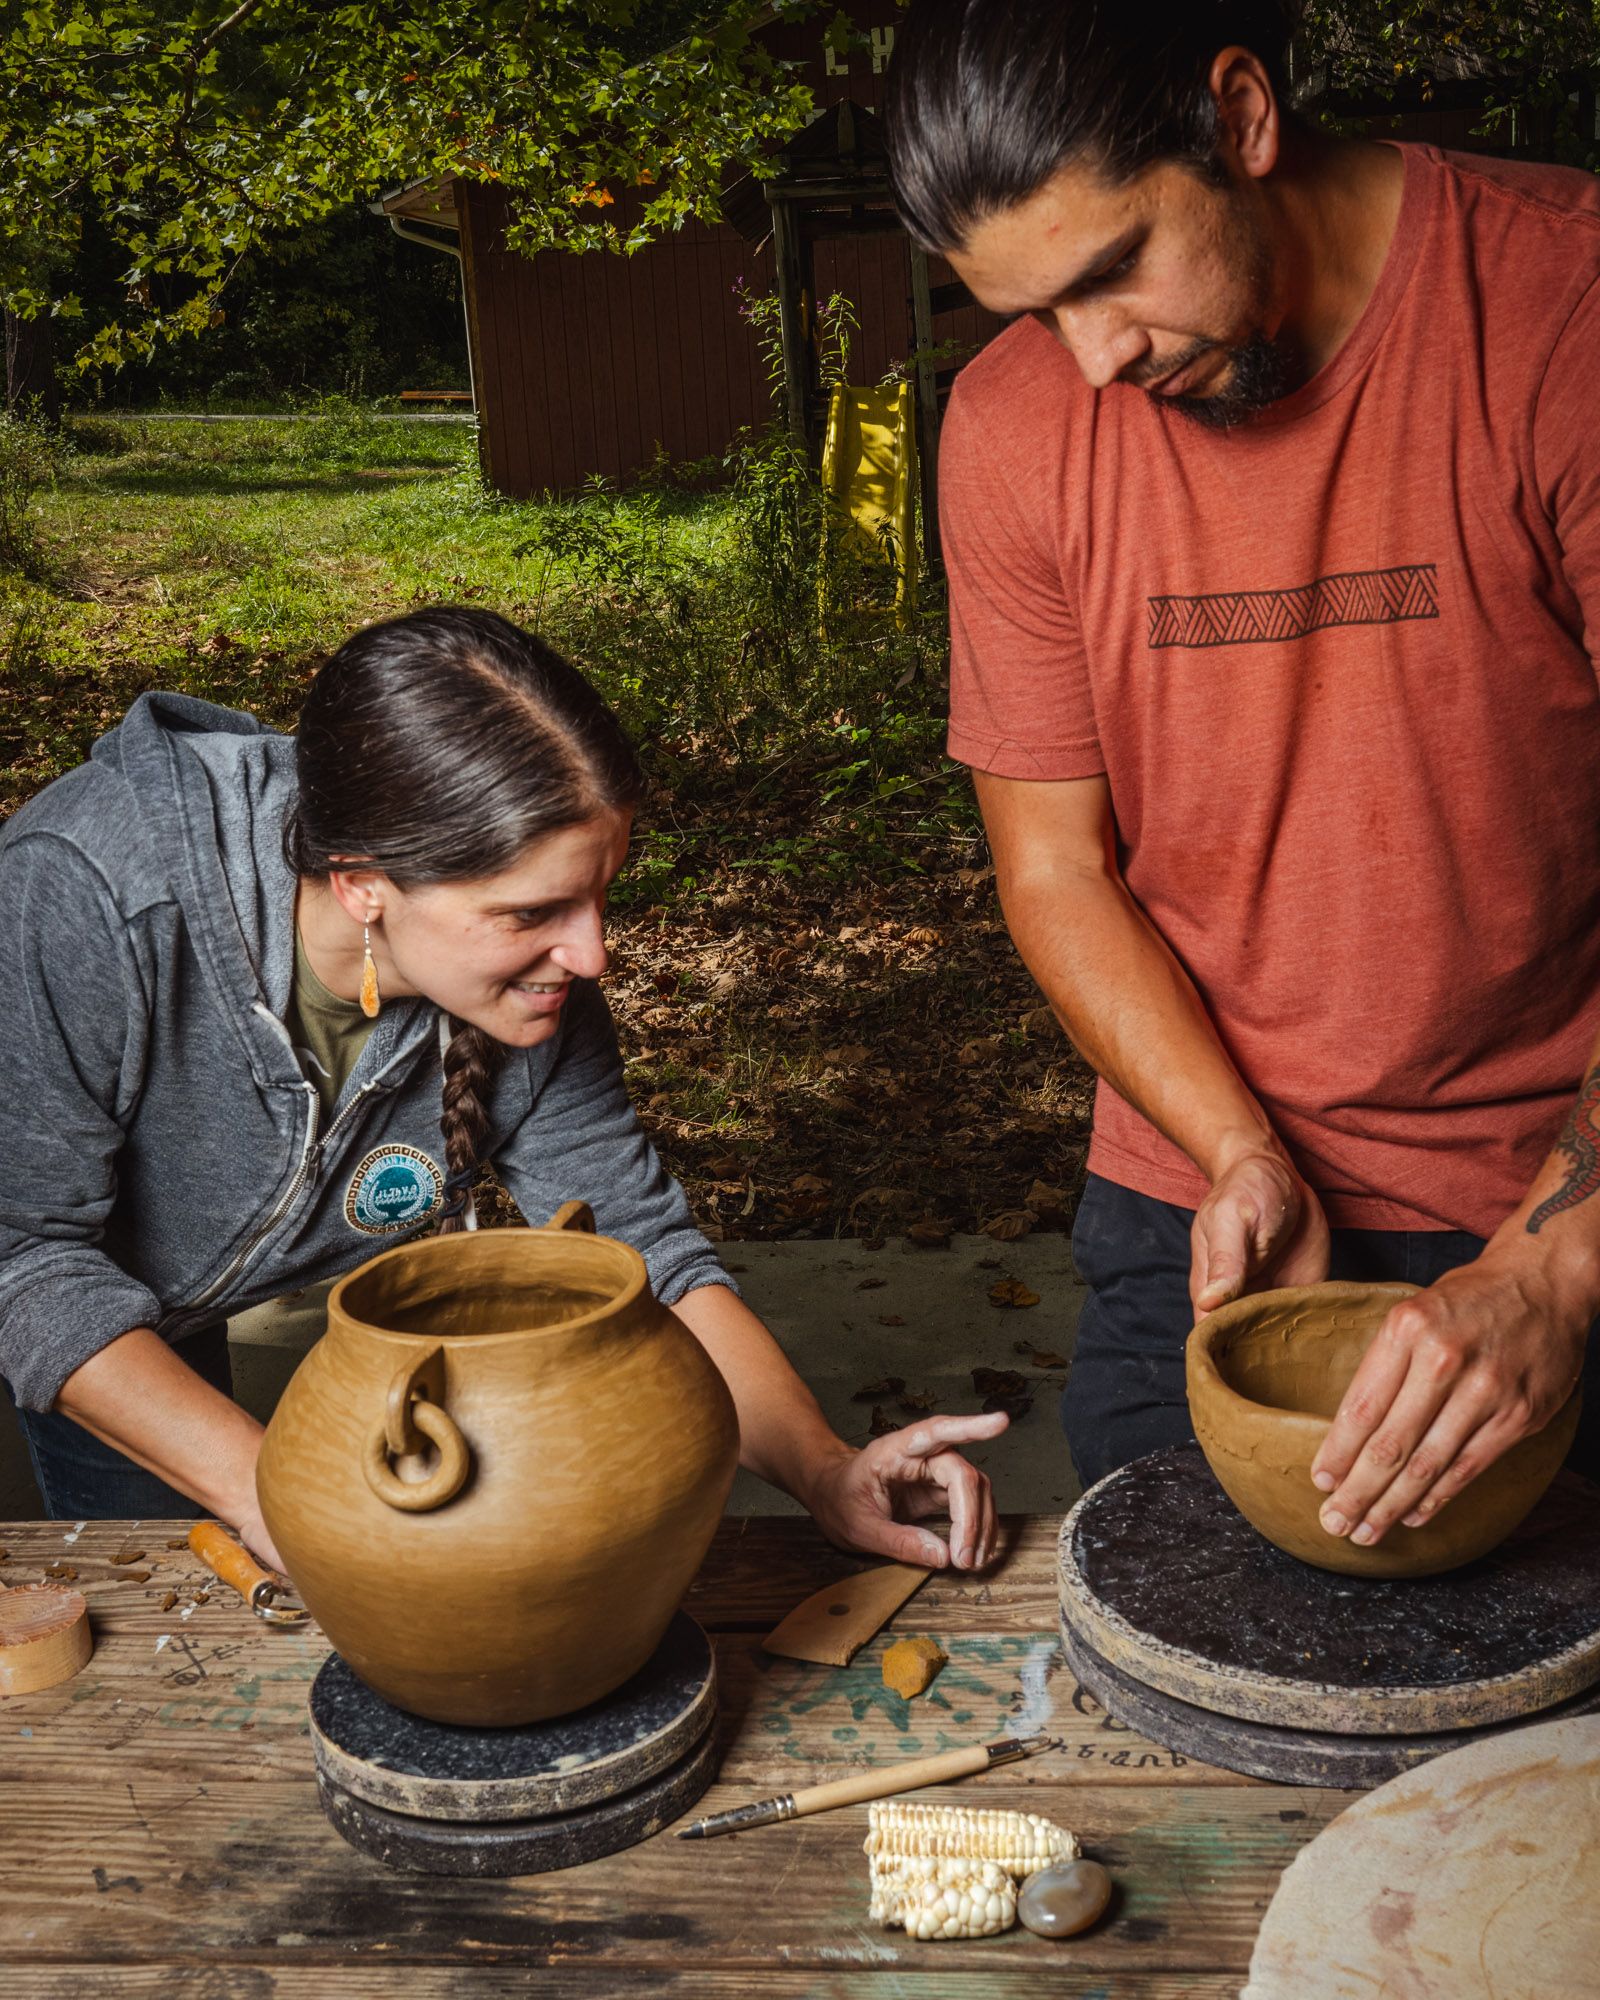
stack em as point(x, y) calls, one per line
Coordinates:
point(253, 1533)
point(865, 1499)
point(1456, 1375)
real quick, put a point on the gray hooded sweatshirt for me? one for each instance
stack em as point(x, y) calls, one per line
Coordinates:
point(165, 1161)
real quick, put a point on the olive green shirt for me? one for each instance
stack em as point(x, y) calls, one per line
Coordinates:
point(333, 1031)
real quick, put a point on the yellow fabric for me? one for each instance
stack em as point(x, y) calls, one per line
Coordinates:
point(335, 1031)
point(869, 465)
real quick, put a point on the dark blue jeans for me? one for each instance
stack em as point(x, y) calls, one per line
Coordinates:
point(1125, 1395)
point(81, 1479)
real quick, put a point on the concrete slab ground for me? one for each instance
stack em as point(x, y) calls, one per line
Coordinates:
point(828, 1303)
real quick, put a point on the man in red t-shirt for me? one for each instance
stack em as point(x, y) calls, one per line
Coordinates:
point(1273, 536)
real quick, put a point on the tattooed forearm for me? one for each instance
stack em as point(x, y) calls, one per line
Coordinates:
point(1580, 1141)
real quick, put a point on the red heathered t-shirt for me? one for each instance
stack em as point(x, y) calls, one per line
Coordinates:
point(1337, 667)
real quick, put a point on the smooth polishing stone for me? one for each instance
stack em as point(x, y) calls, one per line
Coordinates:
point(1059, 1902)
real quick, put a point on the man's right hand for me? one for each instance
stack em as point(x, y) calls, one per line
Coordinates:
point(1260, 1226)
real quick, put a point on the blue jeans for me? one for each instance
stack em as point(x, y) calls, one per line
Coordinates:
point(1126, 1395)
point(81, 1479)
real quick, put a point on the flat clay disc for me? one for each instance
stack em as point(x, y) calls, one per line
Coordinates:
point(1164, 1579)
point(1286, 1756)
point(375, 1752)
point(1477, 1878)
point(523, 1846)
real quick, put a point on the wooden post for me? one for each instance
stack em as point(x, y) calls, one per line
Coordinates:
point(927, 400)
point(791, 318)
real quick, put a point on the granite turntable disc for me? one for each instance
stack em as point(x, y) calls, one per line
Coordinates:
point(1184, 1622)
point(434, 1798)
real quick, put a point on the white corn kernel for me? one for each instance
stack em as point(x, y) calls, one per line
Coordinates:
point(1022, 1843)
point(945, 1897)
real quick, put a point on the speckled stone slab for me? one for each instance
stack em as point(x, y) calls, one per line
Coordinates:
point(1286, 1756)
point(1165, 1580)
point(521, 1846)
point(402, 1763)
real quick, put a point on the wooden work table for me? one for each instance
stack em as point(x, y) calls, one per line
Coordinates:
point(160, 1837)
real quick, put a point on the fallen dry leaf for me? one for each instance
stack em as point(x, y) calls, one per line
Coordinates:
point(891, 1319)
point(988, 1263)
point(1004, 1389)
point(1040, 1021)
point(1013, 1223)
point(871, 1284)
point(882, 1423)
point(1044, 1199)
point(915, 1402)
point(929, 1234)
point(886, 1385)
point(1012, 1292)
point(810, 1184)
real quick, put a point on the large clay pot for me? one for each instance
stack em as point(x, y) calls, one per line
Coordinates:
point(1266, 1375)
point(494, 1477)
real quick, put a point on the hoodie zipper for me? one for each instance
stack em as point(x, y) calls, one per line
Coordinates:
point(309, 1153)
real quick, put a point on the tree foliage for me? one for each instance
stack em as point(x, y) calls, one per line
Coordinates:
point(199, 131)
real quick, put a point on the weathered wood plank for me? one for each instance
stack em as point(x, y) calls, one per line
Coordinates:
point(273, 1981)
point(186, 1872)
point(758, 1569)
point(220, 1693)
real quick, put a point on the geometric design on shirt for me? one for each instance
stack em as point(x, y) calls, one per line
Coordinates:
point(1256, 617)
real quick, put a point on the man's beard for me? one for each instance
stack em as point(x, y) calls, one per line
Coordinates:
point(1260, 372)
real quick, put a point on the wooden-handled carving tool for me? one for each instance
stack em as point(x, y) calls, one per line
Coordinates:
point(880, 1784)
point(259, 1588)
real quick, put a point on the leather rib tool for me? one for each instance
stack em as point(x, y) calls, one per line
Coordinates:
point(234, 1564)
point(878, 1784)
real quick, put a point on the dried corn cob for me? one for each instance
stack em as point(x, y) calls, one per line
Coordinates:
point(1021, 1843)
point(933, 1896)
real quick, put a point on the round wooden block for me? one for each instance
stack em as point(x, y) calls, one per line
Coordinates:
point(44, 1637)
point(1166, 1581)
point(522, 1846)
point(1477, 1878)
point(1286, 1756)
point(371, 1751)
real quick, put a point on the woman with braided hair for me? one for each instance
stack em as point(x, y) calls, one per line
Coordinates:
point(271, 1005)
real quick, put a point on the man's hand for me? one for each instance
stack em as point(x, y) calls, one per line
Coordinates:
point(1456, 1376)
point(1260, 1226)
point(862, 1499)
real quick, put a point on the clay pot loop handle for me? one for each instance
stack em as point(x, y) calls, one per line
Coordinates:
point(415, 1411)
point(573, 1215)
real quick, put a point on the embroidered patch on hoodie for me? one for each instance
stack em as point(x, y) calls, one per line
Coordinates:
point(395, 1187)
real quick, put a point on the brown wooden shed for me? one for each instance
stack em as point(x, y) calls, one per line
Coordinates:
point(600, 364)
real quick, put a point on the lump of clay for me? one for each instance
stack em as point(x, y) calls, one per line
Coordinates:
point(910, 1665)
point(1059, 1902)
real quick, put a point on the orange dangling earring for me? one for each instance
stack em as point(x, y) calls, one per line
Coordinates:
point(370, 999)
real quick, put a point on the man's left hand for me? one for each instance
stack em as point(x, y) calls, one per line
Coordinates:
point(1456, 1376)
point(868, 1499)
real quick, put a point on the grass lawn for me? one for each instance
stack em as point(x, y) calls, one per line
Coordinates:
point(825, 1025)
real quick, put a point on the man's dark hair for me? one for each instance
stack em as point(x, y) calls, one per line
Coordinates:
point(986, 99)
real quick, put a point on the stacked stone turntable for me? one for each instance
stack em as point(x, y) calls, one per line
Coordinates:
point(1187, 1625)
point(437, 1799)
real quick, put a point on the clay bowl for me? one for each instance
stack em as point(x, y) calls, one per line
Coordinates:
point(1266, 1375)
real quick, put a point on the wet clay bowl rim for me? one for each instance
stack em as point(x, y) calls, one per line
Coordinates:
point(464, 1261)
point(1261, 1453)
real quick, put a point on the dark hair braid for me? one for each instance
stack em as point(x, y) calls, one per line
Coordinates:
point(471, 1062)
point(437, 747)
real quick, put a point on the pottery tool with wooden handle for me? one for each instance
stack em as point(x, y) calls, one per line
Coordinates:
point(259, 1588)
point(44, 1636)
point(878, 1784)
point(831, 1626)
